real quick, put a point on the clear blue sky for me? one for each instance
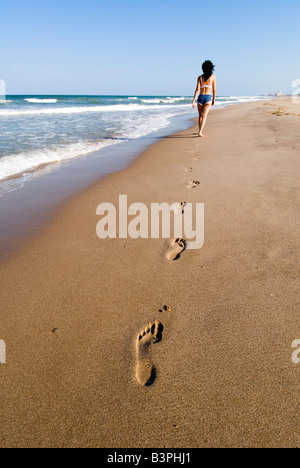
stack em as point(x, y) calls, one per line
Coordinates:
point(154, 47)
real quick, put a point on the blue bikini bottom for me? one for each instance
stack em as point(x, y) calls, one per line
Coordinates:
point(204, 99)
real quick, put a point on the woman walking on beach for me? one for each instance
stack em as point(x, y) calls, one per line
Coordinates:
point(206, 93)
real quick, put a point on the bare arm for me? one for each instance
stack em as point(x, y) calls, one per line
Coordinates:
point(197, 92)
point(214, 91)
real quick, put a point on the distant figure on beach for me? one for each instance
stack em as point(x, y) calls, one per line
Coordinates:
point(206, 93)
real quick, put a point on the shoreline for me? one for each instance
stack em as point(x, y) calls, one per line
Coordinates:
point(25, 211)
point(25, 174)
point(33, 204)
point(73, 306)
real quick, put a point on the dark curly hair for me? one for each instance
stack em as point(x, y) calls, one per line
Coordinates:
point(208, 69)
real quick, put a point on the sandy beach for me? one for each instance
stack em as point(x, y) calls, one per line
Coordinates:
point(84, 318)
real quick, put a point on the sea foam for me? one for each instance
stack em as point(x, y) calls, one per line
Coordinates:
point(17, 164)
point(82, 110)
point(40, 101)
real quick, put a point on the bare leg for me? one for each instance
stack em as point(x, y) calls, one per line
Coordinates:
point(200, 110)
point(205, 112)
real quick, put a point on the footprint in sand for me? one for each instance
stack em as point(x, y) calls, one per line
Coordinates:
point(145, 370)
point(189, 169)
point(176, 248)
point(194, 184)
point(165, 308)
point(279, 112)
point(180, 207)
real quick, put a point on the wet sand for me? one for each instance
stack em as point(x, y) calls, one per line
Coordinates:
point(113, 343)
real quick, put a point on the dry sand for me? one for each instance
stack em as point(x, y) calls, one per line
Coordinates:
point(87, 322)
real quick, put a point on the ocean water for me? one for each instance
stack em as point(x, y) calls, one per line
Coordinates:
point(39, 130)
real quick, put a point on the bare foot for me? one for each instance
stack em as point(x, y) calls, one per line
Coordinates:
point(145, 370)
